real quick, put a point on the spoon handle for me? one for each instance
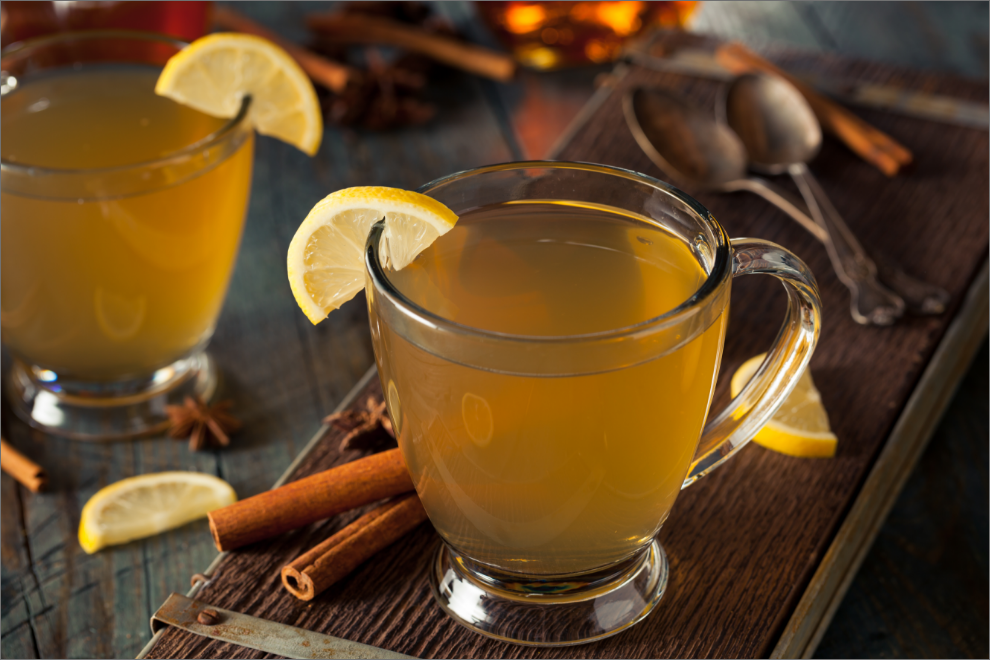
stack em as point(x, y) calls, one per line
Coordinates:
point(783, 200)
point(872, 303)
point(921, 297)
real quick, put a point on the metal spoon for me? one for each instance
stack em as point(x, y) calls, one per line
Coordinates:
point(696, 151)
point(781, 134)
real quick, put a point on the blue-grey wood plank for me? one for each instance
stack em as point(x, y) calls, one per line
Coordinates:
point(760, 24)
point(93, 605)
point(172, 557)
point(16, 625)
point(942, 36)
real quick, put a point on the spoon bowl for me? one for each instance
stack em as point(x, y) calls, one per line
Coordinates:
point(773, 121)
point(697, 152)
point(689, 147)
point(781, 134)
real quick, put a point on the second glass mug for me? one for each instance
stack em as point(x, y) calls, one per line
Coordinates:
point(114, 275)
point(549, 514)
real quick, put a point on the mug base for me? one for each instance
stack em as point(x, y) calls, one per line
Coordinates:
point(562, 612)
point(107, 411)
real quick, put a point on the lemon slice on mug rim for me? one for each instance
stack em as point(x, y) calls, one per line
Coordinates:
point(214, 73)
point(326, 256)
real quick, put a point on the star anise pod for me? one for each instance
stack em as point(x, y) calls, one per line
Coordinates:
point(384, 96)
point(358, 423)
point(205, 426)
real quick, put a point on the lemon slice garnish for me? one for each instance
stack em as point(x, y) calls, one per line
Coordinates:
point(800, 427)
point(149, 504)
point(213, 75)
point(325, 262)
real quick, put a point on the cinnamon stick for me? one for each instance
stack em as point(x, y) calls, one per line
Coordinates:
point(332, 560)
point(366, 29)
point(307, 500)
point(328, 73)
point(872, 144)
point(31, 475)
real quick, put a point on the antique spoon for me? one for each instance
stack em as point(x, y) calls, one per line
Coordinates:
point(699, 152)
point(781, 134)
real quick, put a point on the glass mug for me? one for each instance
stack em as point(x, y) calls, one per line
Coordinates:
point(121, 220)
point(548, 421)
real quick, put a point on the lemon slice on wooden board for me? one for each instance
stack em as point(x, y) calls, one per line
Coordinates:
point(149, 504)
point(800, 427)
point(326, 255)
point(214, 74)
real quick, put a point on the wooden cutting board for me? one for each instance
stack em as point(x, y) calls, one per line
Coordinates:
point(762, 550)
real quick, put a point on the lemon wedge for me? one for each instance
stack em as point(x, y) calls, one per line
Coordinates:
point(213, 75)
point(326, 255)
point(800, 427)
point(149, 504)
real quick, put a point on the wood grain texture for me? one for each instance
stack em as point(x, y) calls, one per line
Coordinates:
point(744, 542)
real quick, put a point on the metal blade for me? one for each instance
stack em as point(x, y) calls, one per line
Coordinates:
point(259, 634)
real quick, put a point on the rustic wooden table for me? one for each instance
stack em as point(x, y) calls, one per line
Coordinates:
point(921, 592)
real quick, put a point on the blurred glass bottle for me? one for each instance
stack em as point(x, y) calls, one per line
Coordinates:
point(550, 35)
point(23, 20)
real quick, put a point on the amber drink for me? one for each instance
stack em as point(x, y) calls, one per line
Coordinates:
point(548, 472)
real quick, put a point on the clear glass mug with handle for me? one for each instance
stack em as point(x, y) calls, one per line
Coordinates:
point(548, 438)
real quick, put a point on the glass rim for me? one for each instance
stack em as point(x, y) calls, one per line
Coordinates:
point(216, 137)
point(721, 270)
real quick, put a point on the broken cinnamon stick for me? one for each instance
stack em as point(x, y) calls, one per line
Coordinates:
point(307, 500)
point(328, 73)
point(31, 475)
point(366, 29)
point(335, 558)
point(873, 145)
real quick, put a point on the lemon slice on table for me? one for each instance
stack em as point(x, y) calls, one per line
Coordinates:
point(326, 255)
point(149, 504)
point(213, 74)
point(800, 427)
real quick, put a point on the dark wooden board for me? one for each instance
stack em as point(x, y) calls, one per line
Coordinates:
point(744, 542)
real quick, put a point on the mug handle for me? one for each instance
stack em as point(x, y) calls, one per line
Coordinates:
point(746, 414)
